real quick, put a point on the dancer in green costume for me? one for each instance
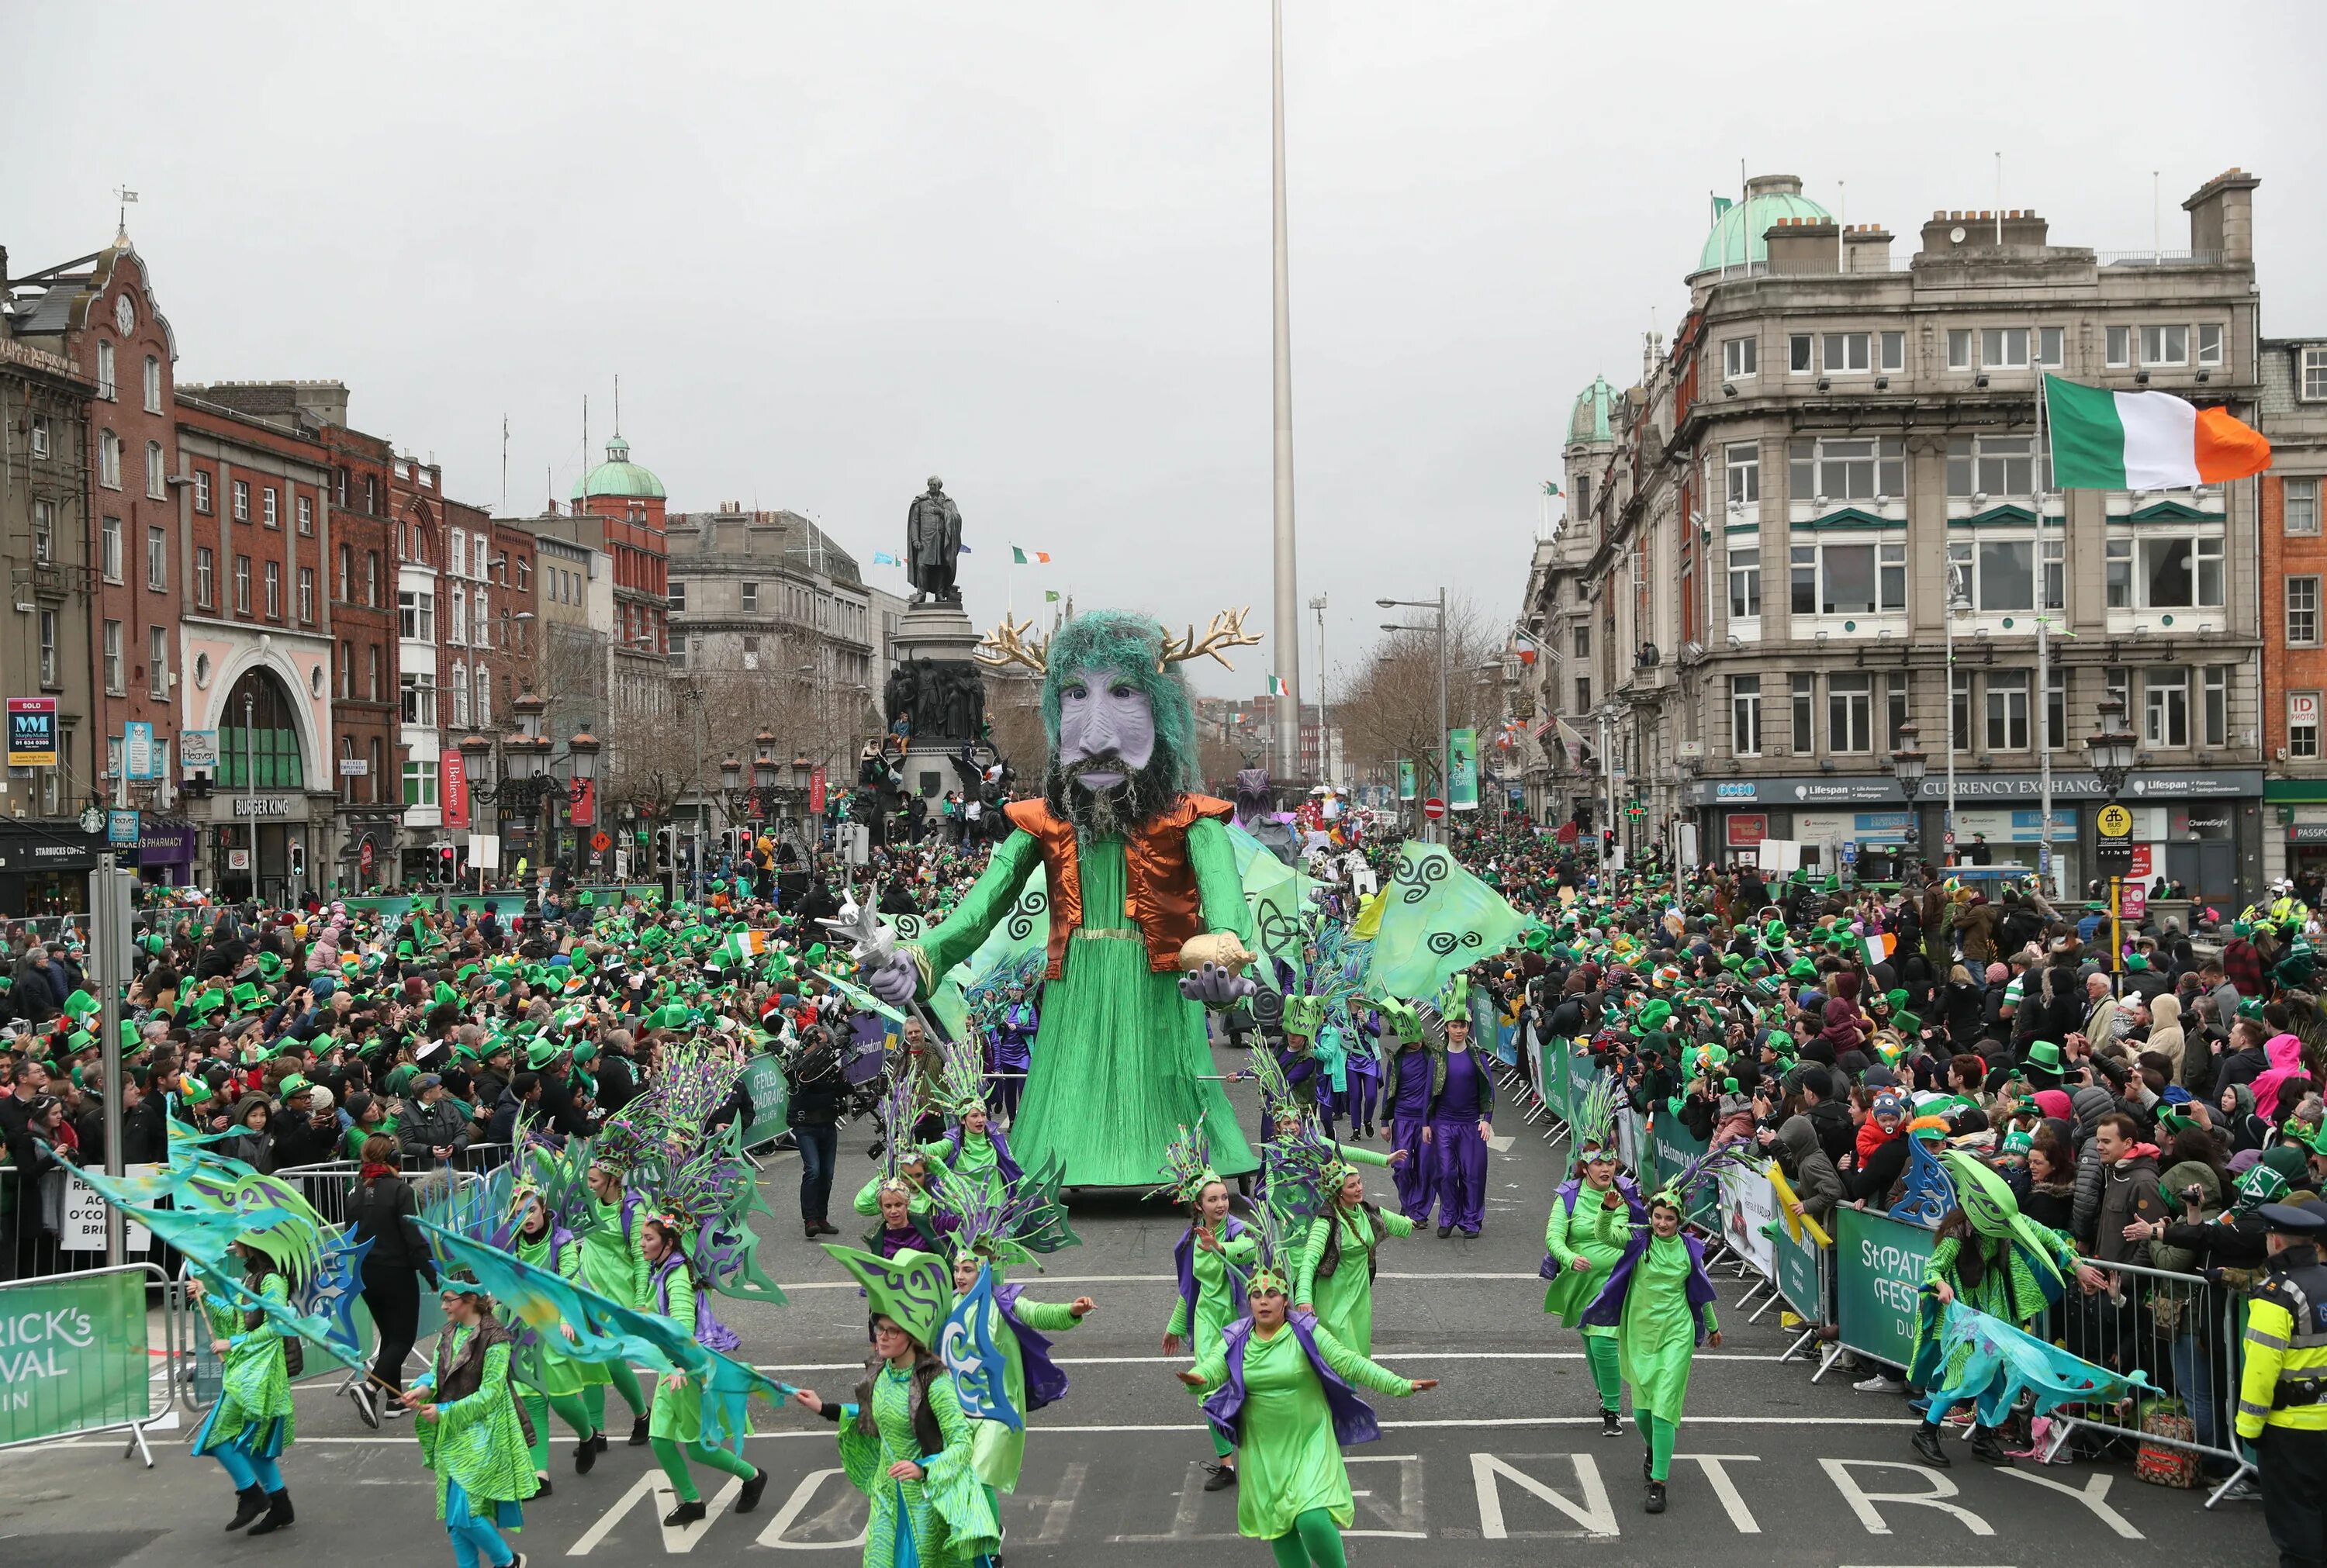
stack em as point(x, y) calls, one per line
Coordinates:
point(915, 1168)
point(904, 1441)
point(615, 1264)
point(253, 1423)
point(1210, 1260)
point(677, 1428)
point(998, 1450)
point(1336, 1274)
point(972, 1150)
point(1659, 1300)
point(1281, 1386)
point(1143, 886)
point(549, 1379)
point(470, 1430)
point(1592, 1219)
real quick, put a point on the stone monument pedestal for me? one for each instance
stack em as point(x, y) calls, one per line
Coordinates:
point(942, 634)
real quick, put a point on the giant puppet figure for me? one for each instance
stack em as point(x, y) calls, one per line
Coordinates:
point(1148, 924)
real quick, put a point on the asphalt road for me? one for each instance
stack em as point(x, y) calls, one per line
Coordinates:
point(1498, 1465)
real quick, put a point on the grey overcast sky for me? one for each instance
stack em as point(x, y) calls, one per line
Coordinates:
point(832, 249)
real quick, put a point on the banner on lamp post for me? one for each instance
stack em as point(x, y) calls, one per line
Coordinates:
point(1462, 769)
point(455, 775)
point(1405, 783)
point(816, 791)
point(584, 812)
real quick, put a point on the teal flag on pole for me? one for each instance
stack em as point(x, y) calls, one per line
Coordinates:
point(1436, 919)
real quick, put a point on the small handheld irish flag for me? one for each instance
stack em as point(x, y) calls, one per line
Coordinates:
point(2105, 440)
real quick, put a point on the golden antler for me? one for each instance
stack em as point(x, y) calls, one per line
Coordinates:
point(1006, 644)
point(1226, 630)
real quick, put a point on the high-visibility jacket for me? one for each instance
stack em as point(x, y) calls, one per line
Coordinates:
point(2284, 1383)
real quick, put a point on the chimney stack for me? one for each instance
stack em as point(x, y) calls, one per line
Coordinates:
point(2221, 216)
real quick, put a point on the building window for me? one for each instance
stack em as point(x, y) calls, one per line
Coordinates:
point(2314, 373)
point(267, 513)
point(1847, 353)
point(1850, 713)
point(1849, 579)
point(2180, 572)
point(420, 700)
point(371, 497)
point(153, 385)
point(1894, 351)
point(456, 559)
point(484, 699)
point(110, 544)
point(306, 505)
point(374, 780)
point(1988, 466)
point(108, 460)
point(1584, 642)
point(242, 585)
point(202, 492)
point(460, 697)
point(1745, 474)
point(1797, 353)
point(1856, 468)
point(105, 386)
point(347, 569)
point(2119, 347)
point(2215, 714)
point(157, 662)
point(113, 658)
point(48, 620)
point(750, 598)
point(2165, 705)
point(157, 560)
point(371, 673)
point(1959, 348)
point(2051, 342)
point(750, 653)
point(1740, 358)
point(1804, 691)
point(1744, 582)
point(416, 617)
point(2302, 725)
point(2302, 612)
point(2007, 711)
point(1895, 708)
point(480, 549)
point(456, 624)
point(307, 595)
point(39, 436)
point(1959, 708)
point(481, 622)
point(241, 500)
point(677, 597)
point(371, 578)
point(1745, 715)
point(158, 485)
point(2056, 707)
point(2165, 345)
point(347, 670)
point(202, 573)
point(2299, 502)
point(2002, 574)
point(2209, 344)
point(419, 783)
point(274, 590)
point(44, 533)
point(1582, 694)
point(2003, 348)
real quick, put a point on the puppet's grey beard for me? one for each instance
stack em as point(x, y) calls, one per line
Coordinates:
point(1109, 813)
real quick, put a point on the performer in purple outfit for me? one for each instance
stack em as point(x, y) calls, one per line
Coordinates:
point(1406, 1098)
point(1462, 1111)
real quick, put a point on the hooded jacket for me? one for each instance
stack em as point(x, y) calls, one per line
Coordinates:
point(2284, 1054)
point(2165, 1036)
point(2128, 1192)
point(1830, 1120)
point(2090, 1104)
point(1817, 1183)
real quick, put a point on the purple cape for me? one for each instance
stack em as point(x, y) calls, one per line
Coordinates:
point(1607, 1309)
point(1044, 1381)
point(1353, 1418)
point(1184, 1260)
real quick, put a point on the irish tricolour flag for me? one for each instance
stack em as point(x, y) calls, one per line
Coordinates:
point(2105, 440)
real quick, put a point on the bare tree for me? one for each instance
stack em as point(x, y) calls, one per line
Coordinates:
point(1391, 709)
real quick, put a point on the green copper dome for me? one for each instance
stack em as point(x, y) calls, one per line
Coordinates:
point(1596, 405)
point(1736, 237)
point(619, 476)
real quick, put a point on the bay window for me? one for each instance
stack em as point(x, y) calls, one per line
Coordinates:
point(1849, 577)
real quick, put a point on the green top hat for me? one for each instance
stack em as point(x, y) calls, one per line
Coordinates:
point(80, 1004)
point(2045, 1056)
point(246, 998)
point(270, 967)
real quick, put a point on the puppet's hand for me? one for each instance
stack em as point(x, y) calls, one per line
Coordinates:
point(896, 981)
point(1215, 986)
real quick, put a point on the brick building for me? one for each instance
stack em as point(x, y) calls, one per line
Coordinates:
point(2294, 640)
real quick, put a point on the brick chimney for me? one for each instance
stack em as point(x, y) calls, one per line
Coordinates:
point(1866, 248)
point(2020, 226)
point(1804, 244)
point(2221, 215)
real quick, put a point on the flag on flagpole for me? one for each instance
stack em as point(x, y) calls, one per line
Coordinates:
point(1019, 557)
point(882, 558)
point(1551, 487)
point(1277, 688)
point(2105, 440)
point(1049, 595)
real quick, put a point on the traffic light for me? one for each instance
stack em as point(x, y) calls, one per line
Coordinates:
point(298, 861)
point(662, 848)
point(447, 872)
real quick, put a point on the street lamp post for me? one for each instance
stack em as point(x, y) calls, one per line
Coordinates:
point(1437, 831)
point(528, 788)
point(1958, 605)
point(1908, 765)
point(2111, 748)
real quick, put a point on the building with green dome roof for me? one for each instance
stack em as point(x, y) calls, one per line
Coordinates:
point(1736, 240)
point(1595, 409)
point(618, 477)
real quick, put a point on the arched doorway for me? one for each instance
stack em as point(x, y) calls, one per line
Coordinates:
point(260, 755)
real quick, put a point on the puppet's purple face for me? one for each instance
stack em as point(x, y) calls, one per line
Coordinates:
point(1107, 729)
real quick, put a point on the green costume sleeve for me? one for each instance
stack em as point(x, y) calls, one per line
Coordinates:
point(1555, 1232)
point(1396, 1223)
point(1213, 1369)
point(1712, 1323)
point(1312, 1252)
point(1942, 1266)
point(1218, 889)
point(461, 1410)
point(1178, 1327)
point(1355, 1368)
point(682, 1302)
point(1357, 1156)
point(641, 1271)
point(1045, 1317)
point(869, 1198)
point(985, 904)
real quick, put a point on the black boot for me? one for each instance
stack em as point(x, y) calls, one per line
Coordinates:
point(1927, 1443)
point(749, 1497)
point(598, 1439)
point(248, 1504)
point(279, 1516)
point(586, 1453)
point(1656, 1501)
point(1648, 1463)
point(1987, 1447)
point(639, 1433)
point(1609, 1425)
point(1223, 1478)
point(685, 1514)
point(541, 1487)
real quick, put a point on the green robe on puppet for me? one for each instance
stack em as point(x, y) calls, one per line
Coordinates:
point(1147, 917)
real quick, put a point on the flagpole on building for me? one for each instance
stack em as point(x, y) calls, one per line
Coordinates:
point(1287, 619)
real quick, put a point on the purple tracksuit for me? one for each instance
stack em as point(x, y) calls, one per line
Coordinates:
point(1409, 1112)
point(1459, 1161)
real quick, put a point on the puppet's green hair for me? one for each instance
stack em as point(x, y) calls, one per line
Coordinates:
point(1130, 646)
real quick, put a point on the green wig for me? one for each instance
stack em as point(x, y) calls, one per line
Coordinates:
point(1130, 646)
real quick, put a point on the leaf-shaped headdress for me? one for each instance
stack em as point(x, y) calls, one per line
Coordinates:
point(898, 1150)
point(961, 1077)
point(913, 1290)
point(1305, 1170)
point(1187, 1166)
point(1023, 1222)
point(1692, 1177)
point(1595, 1118)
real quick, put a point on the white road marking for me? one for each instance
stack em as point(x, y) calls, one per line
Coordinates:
point(1060, 1506)
point(1408, 1517)
point(795, 1506)
point(655, 1488)
point(1732, 1500)
point(787, 1287)
point(2093, 1493)
point(1862, 1502)
point(1594, 1514)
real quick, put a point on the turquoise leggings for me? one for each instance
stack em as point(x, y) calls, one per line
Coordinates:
point(477, 1542)
point(626, 1383)
point(1311, 1540)
point(673, 1459)
point(1661, 1435)
point(247, 1472)
point(1600, 1355)
point(538, 1406)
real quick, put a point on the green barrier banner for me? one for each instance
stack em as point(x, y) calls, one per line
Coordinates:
point(1798, 1273)
point(73, 1355)
point(763, 1080)
point(1671, 1148)
point(1879, 1264)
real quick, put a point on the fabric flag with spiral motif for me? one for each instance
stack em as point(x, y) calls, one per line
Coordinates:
point(1271, 894)
point(1436, 919)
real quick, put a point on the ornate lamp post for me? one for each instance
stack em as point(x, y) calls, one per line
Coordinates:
point(2111, 745)
point(1908, 765)
point(527, 788)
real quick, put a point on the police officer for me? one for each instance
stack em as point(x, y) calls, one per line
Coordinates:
point(2282, 1394)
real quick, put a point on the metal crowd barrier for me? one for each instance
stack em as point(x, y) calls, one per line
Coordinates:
point(90, 1385)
